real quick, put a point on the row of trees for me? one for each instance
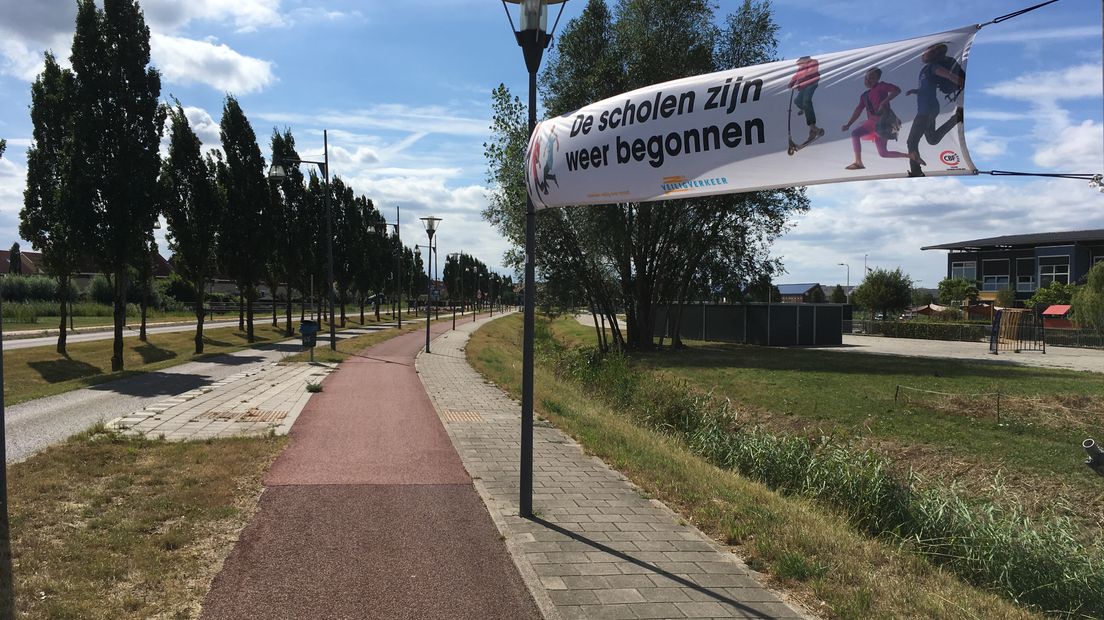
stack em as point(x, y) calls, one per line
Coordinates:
point(468, 278)
point(638, 256)
point(96, 186)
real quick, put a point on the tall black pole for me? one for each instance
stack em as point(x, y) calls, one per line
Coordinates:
point(329, 239)
point(525, 503)
point(436, 305)
point(7, 587)
point(398, 276)
point(429, 284)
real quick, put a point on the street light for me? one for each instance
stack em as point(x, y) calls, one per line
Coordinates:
point(382, 229)
point(430, 224)
point(533, 38)
point(278, 172)
point(457, 256)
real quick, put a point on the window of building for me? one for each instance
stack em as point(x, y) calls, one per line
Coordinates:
point(1025, 275)
point(1025, 284)
point(1050, 273)
point(994, 283)
point(966, 270)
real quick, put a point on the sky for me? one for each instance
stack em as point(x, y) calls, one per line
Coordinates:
point(403, 88)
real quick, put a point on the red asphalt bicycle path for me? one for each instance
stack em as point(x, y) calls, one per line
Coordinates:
point(369, 512)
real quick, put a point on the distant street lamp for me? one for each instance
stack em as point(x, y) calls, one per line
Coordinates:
point(457, 256)
point(533, 38)
point(430, 224)
point(848, 273)
point(278, 172)
point(383, 229)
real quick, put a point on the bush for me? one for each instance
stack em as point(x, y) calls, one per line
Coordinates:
point(931, 330)
point(1038, 563)
point(17, 289)
point(100, 290)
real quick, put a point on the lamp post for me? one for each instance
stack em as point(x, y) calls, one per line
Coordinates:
point(398, 238)
point(436, 305)
point(533, 38)
point(277, 172)
point(430, 224)
point(459, 275)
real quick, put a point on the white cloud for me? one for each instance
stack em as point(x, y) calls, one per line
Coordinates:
point(391, 116)
point(1069, 83)
point(246, 15)
point(205, 127)
point(1074, 148)
point(982, 143)
point(1042, 34)
point(189, 61)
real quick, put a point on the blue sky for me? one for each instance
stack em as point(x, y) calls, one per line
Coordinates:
point(404, 89)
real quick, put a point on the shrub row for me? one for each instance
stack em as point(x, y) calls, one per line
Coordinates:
point(1036, 563)
point(931, 330)
point(32, 311)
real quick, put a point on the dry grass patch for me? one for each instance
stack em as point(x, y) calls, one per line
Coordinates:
point(107, 527)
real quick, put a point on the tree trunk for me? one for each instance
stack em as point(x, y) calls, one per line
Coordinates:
point(362, 310)
point(200, 313)
point(287, 314)
point(275, 321)
point(376, 304)
point(143, 305)
point(241, 311)
point(249, 318)
point(63, 285)
point(120, 320)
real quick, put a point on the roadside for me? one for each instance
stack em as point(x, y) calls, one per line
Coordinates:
point(1091, 360)
point(47, 337)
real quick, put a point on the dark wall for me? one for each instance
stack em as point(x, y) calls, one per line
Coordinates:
point(777, 325)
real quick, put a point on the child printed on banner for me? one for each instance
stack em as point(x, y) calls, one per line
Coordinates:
point(939, 73)
point(881, 123)
point(805, 81)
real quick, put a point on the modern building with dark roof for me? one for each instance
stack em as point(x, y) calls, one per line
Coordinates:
point(797, 293)
point(1024, 262)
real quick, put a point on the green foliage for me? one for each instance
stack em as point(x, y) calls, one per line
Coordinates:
point(100, 289)
point(633, 256)
point(15, 260)
point(922, 297)
point(955, 291)
point(888, 292)
point(816, 295)
point(1006, 298)
point(16, 288)
point(1033, 562)
point(932, 330)
point(839, 296)
point(1088, 300)
point(1053, 293)
point(190, 201)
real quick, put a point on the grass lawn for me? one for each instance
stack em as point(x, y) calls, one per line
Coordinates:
point(39, 371)
point(105, 527)
point(809, 550)
point(51, 322)
point(1035, 449)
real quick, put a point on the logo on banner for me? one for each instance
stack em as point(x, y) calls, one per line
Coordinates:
point(950, 159)
point(542, 157)
point(677, 184)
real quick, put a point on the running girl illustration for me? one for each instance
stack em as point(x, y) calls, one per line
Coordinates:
point(805, 81)
point(881, 123)
point(541, 163)
point(940, 73)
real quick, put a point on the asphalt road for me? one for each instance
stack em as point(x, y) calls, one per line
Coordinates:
point(36, 424)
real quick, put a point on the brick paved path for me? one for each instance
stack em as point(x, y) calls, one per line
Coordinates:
point(599, 549)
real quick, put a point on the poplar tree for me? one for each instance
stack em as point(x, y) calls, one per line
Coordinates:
point(114, 160)
point(49, 219)
point(289, 240)
point(191, 203)
point(244, 232)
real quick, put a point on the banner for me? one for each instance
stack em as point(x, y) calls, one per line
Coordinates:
point(881, 112)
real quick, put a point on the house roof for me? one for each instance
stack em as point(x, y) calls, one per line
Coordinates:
point(795, 289)
point(1033, 239)
point(32, 264)
point(1056, 310)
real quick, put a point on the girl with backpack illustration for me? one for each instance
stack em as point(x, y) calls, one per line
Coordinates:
point(881, 123)
point(939, 74)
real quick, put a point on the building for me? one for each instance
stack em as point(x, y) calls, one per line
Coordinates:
point(1023, 263)
point(31, 265)
point(800, 293)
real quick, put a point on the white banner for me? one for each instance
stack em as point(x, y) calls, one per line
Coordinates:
point(881, 112)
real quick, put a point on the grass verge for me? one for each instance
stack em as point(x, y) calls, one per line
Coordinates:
point(107, 527)
point(806, 547)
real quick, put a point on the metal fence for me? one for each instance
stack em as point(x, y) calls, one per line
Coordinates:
point(762, 324)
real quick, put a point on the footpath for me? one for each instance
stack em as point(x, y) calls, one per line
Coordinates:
point(397, 498)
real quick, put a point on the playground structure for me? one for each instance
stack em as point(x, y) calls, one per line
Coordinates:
point(1017, 330)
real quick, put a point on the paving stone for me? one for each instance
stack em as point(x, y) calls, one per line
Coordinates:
point(600, 548)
